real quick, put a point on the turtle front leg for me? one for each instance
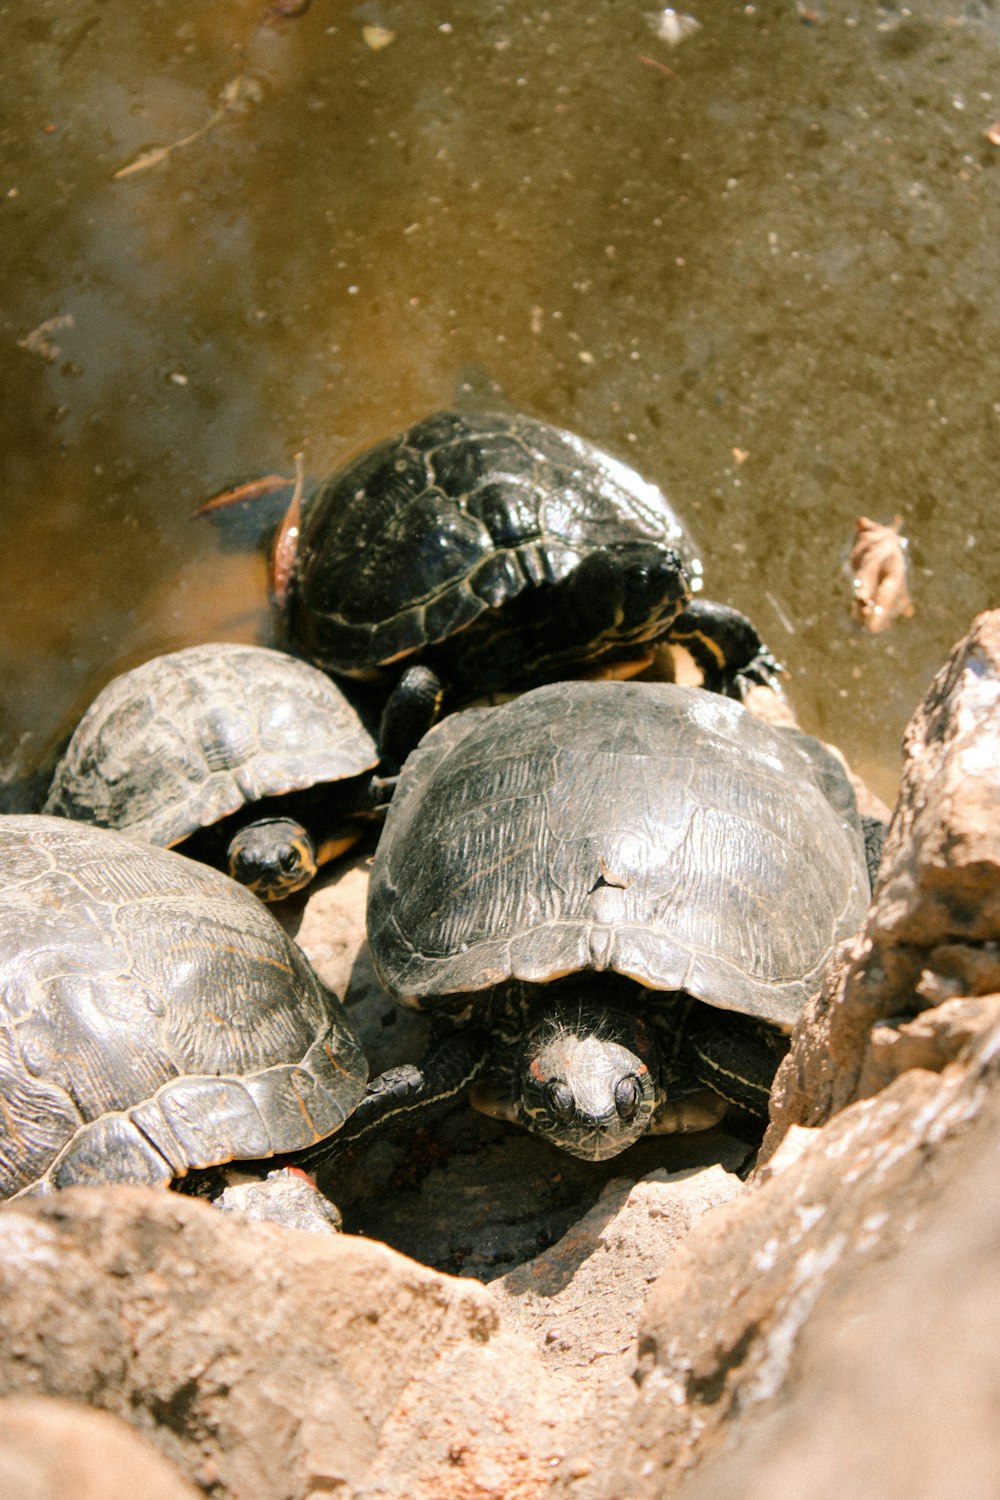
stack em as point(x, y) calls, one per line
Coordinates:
point(725, 647)
point(413, 707)
point(397, 1097)
point(736, 1057)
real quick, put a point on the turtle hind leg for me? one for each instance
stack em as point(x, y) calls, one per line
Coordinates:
point(393, 1100)
point(736, 1057)
point(725, 647)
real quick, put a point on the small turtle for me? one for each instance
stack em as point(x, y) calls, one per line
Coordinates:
point(245, 757)
point(154, 1017)
point(477, 553)
point(621, 896)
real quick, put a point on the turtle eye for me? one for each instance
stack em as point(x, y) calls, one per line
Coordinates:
point(628, 1097)
point(289, 859)
point(559, 1098)
point(637, 580)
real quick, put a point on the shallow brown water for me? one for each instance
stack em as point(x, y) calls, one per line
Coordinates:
point(761, 266)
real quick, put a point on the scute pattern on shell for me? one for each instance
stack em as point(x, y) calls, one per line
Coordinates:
point(655, 830)
point(146, 1000)
point(183, 740)
point(413, 540)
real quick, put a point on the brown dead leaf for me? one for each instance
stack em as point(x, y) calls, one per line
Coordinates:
point(878, 573)
point(38, 341)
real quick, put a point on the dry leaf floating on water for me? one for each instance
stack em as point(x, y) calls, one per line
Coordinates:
point(878, 573)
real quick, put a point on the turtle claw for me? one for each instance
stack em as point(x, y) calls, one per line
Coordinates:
point(765, 670)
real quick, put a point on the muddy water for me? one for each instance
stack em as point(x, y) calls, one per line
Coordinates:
point(761, 265)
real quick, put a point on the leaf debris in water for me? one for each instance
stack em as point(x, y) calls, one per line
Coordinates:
point(239, 494)
point(377, 37)
point(38, 341)
point(237, 97)
point(877, 570)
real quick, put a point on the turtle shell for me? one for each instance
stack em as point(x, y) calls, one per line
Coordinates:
point(658, 831)
point(153, 1017)
point(416, 538)
point(186, 739)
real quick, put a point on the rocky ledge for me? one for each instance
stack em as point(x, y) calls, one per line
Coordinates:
point(661, 1325)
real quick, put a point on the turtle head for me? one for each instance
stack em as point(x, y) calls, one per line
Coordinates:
point(588, 1081)
point(274, 857)
point(629, 592)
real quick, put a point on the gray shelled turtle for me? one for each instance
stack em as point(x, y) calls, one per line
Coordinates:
point(476, 553)
point(620, 896)
point(252, 760)
point(154, 1017)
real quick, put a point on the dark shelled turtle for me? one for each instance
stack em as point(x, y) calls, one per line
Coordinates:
point(477, 553)
point(249, 759)
point(621, 895)
point(154, 1017)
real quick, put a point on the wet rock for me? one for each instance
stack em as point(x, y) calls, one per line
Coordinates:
point(262, 1361)
point(54, 1450)
point(932, 937)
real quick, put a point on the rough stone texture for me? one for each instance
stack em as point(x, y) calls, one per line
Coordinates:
point(804, 1311)
point(581, 1297)
point(896, 1383)
point(267, 1362)
point(57, 1450)
point(933, 930)
point(580, 1302)
point(286, 1196)
point(577, 1307)
point(264, 1362)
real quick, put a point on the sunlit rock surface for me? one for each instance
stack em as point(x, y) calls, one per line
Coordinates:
point(906, 993)
point(59, 1450)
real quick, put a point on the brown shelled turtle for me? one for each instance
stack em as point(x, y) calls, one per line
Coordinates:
point(154, 1017)
point(242, 756)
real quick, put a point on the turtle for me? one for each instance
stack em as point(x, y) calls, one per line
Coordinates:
point(616, 897)
point(478, 553)
point(154, 1017)
point(242, 756)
